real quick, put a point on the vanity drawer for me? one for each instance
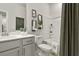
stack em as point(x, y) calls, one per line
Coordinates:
point(28, 41)
point(8, 45)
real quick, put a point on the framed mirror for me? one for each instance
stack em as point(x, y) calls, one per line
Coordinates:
point(4, 21)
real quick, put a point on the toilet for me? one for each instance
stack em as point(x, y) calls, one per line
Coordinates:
point(47, 50)
point(44, 50)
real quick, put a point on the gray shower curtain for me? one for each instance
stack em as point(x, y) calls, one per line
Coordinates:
point(69, 40)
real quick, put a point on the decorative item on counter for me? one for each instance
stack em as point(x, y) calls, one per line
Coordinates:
point(34, 25)
point(23, 29)
point(40, 21)
point(33, 13)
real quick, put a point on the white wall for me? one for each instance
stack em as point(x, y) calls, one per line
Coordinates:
point(56, 28)
point(20, 11)
point(55, 9)
point(55, 12)
point(11, 14)
point(41, 8)
point(13, 11)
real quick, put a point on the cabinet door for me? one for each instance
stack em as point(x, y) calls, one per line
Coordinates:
point(13, 52)
point(33, 49)
point(29, 50)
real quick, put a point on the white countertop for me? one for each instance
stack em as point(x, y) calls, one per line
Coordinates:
point(14, 37)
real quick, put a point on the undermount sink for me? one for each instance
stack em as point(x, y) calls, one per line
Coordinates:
point(14, 35)
point(18, 33)
point(10, 36)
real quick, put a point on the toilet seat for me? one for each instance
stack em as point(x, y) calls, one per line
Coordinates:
point(45, 47)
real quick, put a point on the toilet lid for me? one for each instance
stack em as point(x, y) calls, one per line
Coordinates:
point(45, 47)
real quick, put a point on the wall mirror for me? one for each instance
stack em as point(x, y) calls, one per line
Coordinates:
point(20, 24)
point(3, 21)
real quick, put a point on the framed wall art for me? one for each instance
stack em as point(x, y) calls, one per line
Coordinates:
point(34, 25)
point(40, 21)
point(19, 23)
point(33, 13)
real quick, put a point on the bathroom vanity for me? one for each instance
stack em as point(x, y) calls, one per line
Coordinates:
point(13, 44)
point(17, 45)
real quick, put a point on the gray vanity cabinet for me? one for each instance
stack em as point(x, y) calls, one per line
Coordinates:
point(29, 47)
point(9, 48)
point(27, 50)
point(18, 47)
point(13, 52)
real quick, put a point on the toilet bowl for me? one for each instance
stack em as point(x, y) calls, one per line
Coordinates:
point(48, 49)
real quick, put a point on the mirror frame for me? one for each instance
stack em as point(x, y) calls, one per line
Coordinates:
point(1, 10)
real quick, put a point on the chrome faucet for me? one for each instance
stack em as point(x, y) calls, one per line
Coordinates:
point(4, 31)
point(4, 34)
